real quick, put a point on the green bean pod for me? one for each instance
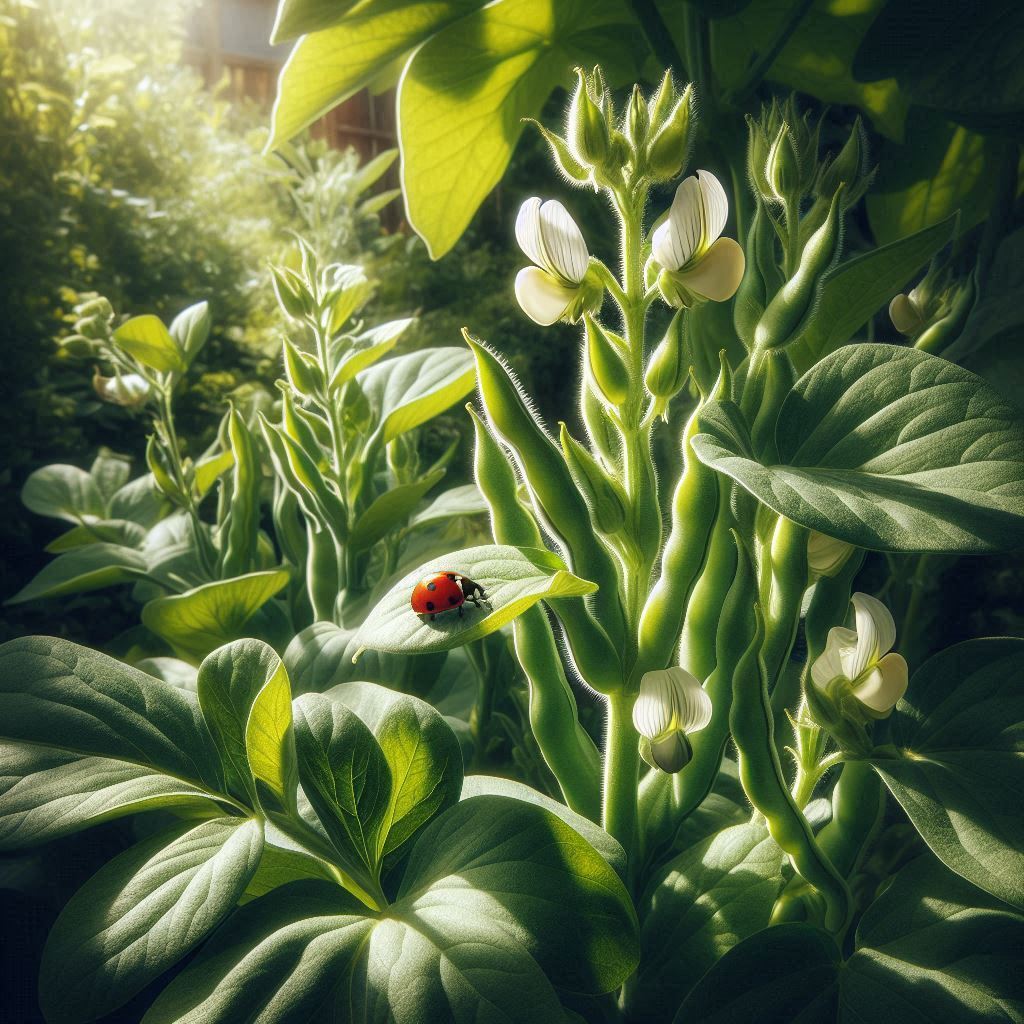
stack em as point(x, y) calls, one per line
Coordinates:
point(858, 803)
point(779, 376)
point(555, 495)
point(783, 581)
point(322, 579)
point(242, 523)
point(569, 752)
point(606, 359)
point(601, 492)
point(762, 278)
point(694, 507)
point(786, 314)
point(761, 776)
point(697, 644)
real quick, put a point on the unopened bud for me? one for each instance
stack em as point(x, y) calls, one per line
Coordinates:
point(782, 169)
point(607, 367)
point(587, 128)
point(638, 121)
point(669, 148)
point(848, 166)
point(667, 370)
point(602, 493)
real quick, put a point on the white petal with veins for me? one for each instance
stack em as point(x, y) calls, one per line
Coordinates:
point(543, 299)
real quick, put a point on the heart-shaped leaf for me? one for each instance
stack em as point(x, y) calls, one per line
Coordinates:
point(888, 448)
point(142, 912)
point(513, 580)
point(204, 618)
point(64, 492)
point(959, 733)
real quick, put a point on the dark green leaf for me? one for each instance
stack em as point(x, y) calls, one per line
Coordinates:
point(64, 492)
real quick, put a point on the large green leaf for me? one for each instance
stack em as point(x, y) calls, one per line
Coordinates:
point(497, 894)
point(513, 579)
point(459, 120)
point(933, 948)
point(857, 289)
point(121, 532)
point(421, 752)
point(297, 17)
point(196, 622)
point(327, 67)
point(110, 473)
point(409, 390)
point(345, 776)
point(887, 448)
point(143, 912)
point(245, 696)
point(451, 504)
point(64, 492)
point(706, 900)
point(959, 737)
point(140, 502)
point(148, 340)
point(82, 569)
point(788, 973)
point(930, 948)
point(389, 511)
point(95, 739)
point(963, 61)
point(372, 345)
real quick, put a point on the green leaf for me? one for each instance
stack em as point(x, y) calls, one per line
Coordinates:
point(421, 753)
point(787, 973)
point(95, 739)
point(523, 865)
point(346, 778)
point(965, 63)
point(459, 121)
point(932, 948)
point(701, 904)
point(190, 329)
point(887, 448)
point(119, 532)
point(513, 579)
point(389, 511)
point(208, 471)
point(938, 170)
point(297, 17)
point(491, 785)
point(327, 67)
point(201, 619)
point(171, 670)
point(407, 391)
point(245, 695)
point(143, 912)
point(140, 502)
point(148, 340)
point(452, 504)
point(64, 492)
point(959, 733)
point(110, 472)
point(374, 344)
point(83, 569)
point(856, 290)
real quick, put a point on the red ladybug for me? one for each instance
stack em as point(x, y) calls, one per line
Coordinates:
point(444, 592)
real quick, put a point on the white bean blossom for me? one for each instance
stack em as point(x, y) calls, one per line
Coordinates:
point(558, 287)
point(696, 262)
point(671, 704)
point(862, 659)
point(128, 389)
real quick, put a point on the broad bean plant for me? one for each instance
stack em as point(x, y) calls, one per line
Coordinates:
point(778, 821)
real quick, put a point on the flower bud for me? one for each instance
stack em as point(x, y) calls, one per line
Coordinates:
point(156, 460)
point(847, 167)
point(303, 372)
point(606, 363)
point(667, 370)
point(587, 128)
point(77, 346)
point(662, 101)
point(782, 169)
point(669, 148)
point(905, 315)
point(638, 121)
point(292, 295)
point(571, 168)
point(671, 704)
point(130, 390)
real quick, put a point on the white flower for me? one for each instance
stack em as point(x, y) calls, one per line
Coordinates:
point(128, 389)
point(826, 555)
point(696, 261)
point(671, 704)
point(861, 657)
point(906, 314)
point(553, 289)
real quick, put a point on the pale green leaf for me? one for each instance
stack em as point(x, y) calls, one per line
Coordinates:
point(190, 329)
point(390, 511)
point(111, 473)
point(148, 340)
point(64, 492)
point(101, 531)
point(209, 470)
point(452, 504)
point(82, 569)
point(196, 622)
point(513, 580)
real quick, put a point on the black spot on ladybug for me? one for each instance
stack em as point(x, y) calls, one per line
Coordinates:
point(430, 606)
point(453, 600)
point(431, 586)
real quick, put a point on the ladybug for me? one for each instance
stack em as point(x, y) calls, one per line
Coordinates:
point(444, 592)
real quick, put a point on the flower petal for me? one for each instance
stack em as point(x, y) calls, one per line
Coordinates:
point(678, 238)
point(830, 663)
point(876, 633)
point(717, 274)
point(716, 206)
point(884, 685)
point(826, 555)
point(694, 703)
point(567, 254)
point(528, 230)
point(543, 299)
point(656, 709)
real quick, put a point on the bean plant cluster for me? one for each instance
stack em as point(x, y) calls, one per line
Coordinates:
point(776, 820)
